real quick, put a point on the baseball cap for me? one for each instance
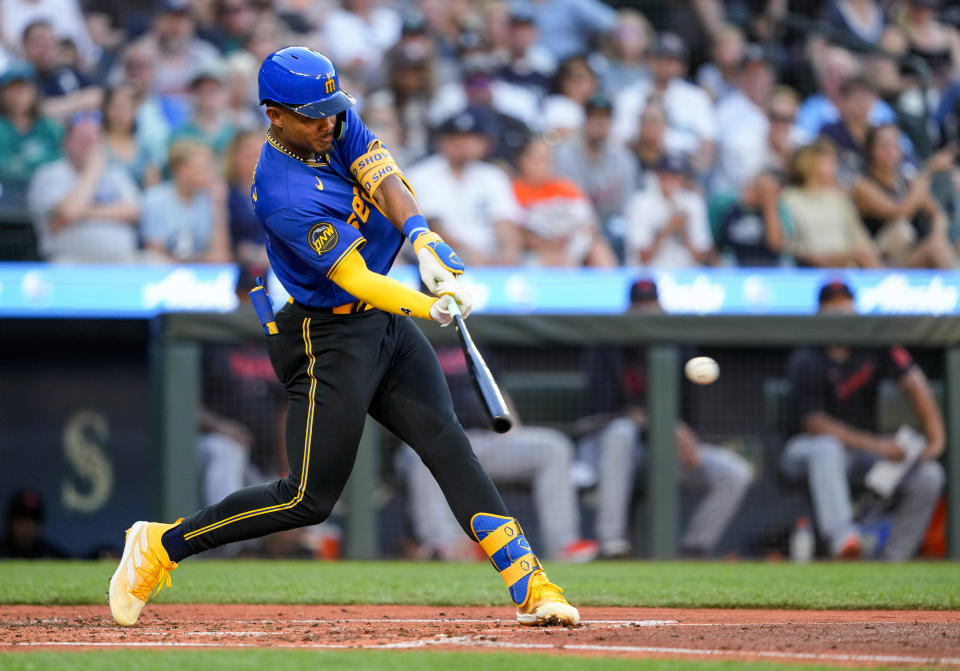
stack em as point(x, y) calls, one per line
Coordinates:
point(175, 6)
point(413, 24)
point(26, 503)
point(644, 290)
point(465, 122)
point(598, 101)
point(213, 70)
point(670, 45)
point(522, 13)
point(18, 71)
point(676, 164)
point(753, 53)
point(834, 289)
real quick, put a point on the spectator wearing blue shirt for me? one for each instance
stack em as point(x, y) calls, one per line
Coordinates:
point(246, 232)
point(568, 27)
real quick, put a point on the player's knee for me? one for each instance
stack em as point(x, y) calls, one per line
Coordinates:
point(825, 448)
point(928, 479)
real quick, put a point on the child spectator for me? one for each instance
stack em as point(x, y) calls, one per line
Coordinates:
point(753, 226)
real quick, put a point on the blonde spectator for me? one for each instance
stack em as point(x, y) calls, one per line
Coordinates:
point(934, 41)
point(626, 51)
point(718, 76)
point(561, 227)
point(906, 222)
point(827, 230)
point(184, 219)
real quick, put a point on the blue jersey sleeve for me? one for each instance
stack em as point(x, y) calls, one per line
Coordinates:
point(321, 243)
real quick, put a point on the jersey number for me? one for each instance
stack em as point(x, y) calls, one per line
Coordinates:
point(361, 211)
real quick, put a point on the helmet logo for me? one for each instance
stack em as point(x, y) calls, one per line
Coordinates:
point(330, 86)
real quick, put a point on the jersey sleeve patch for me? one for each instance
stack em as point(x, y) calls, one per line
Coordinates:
point(323, 237)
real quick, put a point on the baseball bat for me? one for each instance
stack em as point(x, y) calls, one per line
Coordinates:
point(486, 386)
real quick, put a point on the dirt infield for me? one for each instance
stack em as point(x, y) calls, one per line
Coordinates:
point(855, 638)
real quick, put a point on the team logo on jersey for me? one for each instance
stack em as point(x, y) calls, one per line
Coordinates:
point(322, 237)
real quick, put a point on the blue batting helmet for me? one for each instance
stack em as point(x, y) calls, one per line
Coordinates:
point(303, 80)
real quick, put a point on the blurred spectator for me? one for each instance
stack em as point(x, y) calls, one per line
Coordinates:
point(380, 116)
point(479, 87)
point(235, 22)
point(23, 529)
point(667, 221)
point(833, 67)
point(833, 393)
point(246, 232)
point(742, 121)
point(650, 144)
point(64, 15)
point(849, 133)
point(782, 133)
point(122, 146)
point(718, 77)
point(27, 139)
point(857, 24)
point(618, 386)
point(156, 115)
point(411, 84)
point(240, 80)
point(529, 64)
point(605, 171)
point(65, 89)
point(469, 202)
point(84, 207)
point(560, 225)
point(570, 27)
point(184, 219)
point(827, 230)
point(176, 50)
point(357, 35)
point(532, 455)
point(691, 123)
point(626, 51)
point(210, 121)
point(573, 85)
point(934, 42)
point(907, 224)
point(754, 226)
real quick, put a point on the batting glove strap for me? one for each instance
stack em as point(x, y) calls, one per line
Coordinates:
point(420, 235)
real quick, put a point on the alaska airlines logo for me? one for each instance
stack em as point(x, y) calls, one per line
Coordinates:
point(319, 185)
point(322, 237)
point(330, 86)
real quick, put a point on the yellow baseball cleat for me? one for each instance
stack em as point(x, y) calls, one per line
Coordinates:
point(144, 568)
point(545, 604)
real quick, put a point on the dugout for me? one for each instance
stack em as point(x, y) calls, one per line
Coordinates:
point(539, 367)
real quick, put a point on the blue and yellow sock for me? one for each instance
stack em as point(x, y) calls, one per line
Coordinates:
point(503, 541)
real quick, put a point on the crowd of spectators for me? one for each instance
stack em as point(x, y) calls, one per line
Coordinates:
point(536, 132)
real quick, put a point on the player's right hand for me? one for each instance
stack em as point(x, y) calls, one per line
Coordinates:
point(440, 310)
point(463, 297)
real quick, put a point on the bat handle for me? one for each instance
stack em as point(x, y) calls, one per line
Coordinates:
point(454, 309)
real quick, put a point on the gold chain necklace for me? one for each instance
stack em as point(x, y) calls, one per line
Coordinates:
point(278, 145)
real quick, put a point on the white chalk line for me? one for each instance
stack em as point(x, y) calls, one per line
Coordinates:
point(472, 641)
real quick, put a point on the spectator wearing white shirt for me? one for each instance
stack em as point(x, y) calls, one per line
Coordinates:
point(64, 15)
point(718, 77)
point(469, 202)
point(356, 36)
point(667, 222)
point(84, 207)
point(575, 82)
point(742, 120)
point(691, 122)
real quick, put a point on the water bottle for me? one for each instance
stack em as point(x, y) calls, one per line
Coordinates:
point(802, 542)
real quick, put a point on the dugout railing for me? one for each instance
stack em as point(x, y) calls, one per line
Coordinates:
point(175, 353)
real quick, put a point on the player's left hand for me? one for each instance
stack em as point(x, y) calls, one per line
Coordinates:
point(438, 262)
point(464, 298)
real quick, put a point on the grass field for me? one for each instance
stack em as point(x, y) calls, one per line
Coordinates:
point(675, 584)
point(693, 584)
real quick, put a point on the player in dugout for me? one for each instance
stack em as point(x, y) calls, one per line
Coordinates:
point(336, 211)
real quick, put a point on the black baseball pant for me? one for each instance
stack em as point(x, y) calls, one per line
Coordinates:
point(338, 368)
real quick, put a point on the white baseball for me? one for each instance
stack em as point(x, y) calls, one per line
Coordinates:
point(702, 370)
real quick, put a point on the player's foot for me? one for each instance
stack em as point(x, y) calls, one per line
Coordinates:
point(144, 568)
point(580, 551)
point(849, 547)
point(545, 604)
point(615, 548)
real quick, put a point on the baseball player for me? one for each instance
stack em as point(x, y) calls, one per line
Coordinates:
point(336, 210)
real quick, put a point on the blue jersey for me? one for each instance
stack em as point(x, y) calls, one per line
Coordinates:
point(315, 213)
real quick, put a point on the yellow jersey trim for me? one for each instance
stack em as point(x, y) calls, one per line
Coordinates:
point(305, 466)
point(356, 244)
